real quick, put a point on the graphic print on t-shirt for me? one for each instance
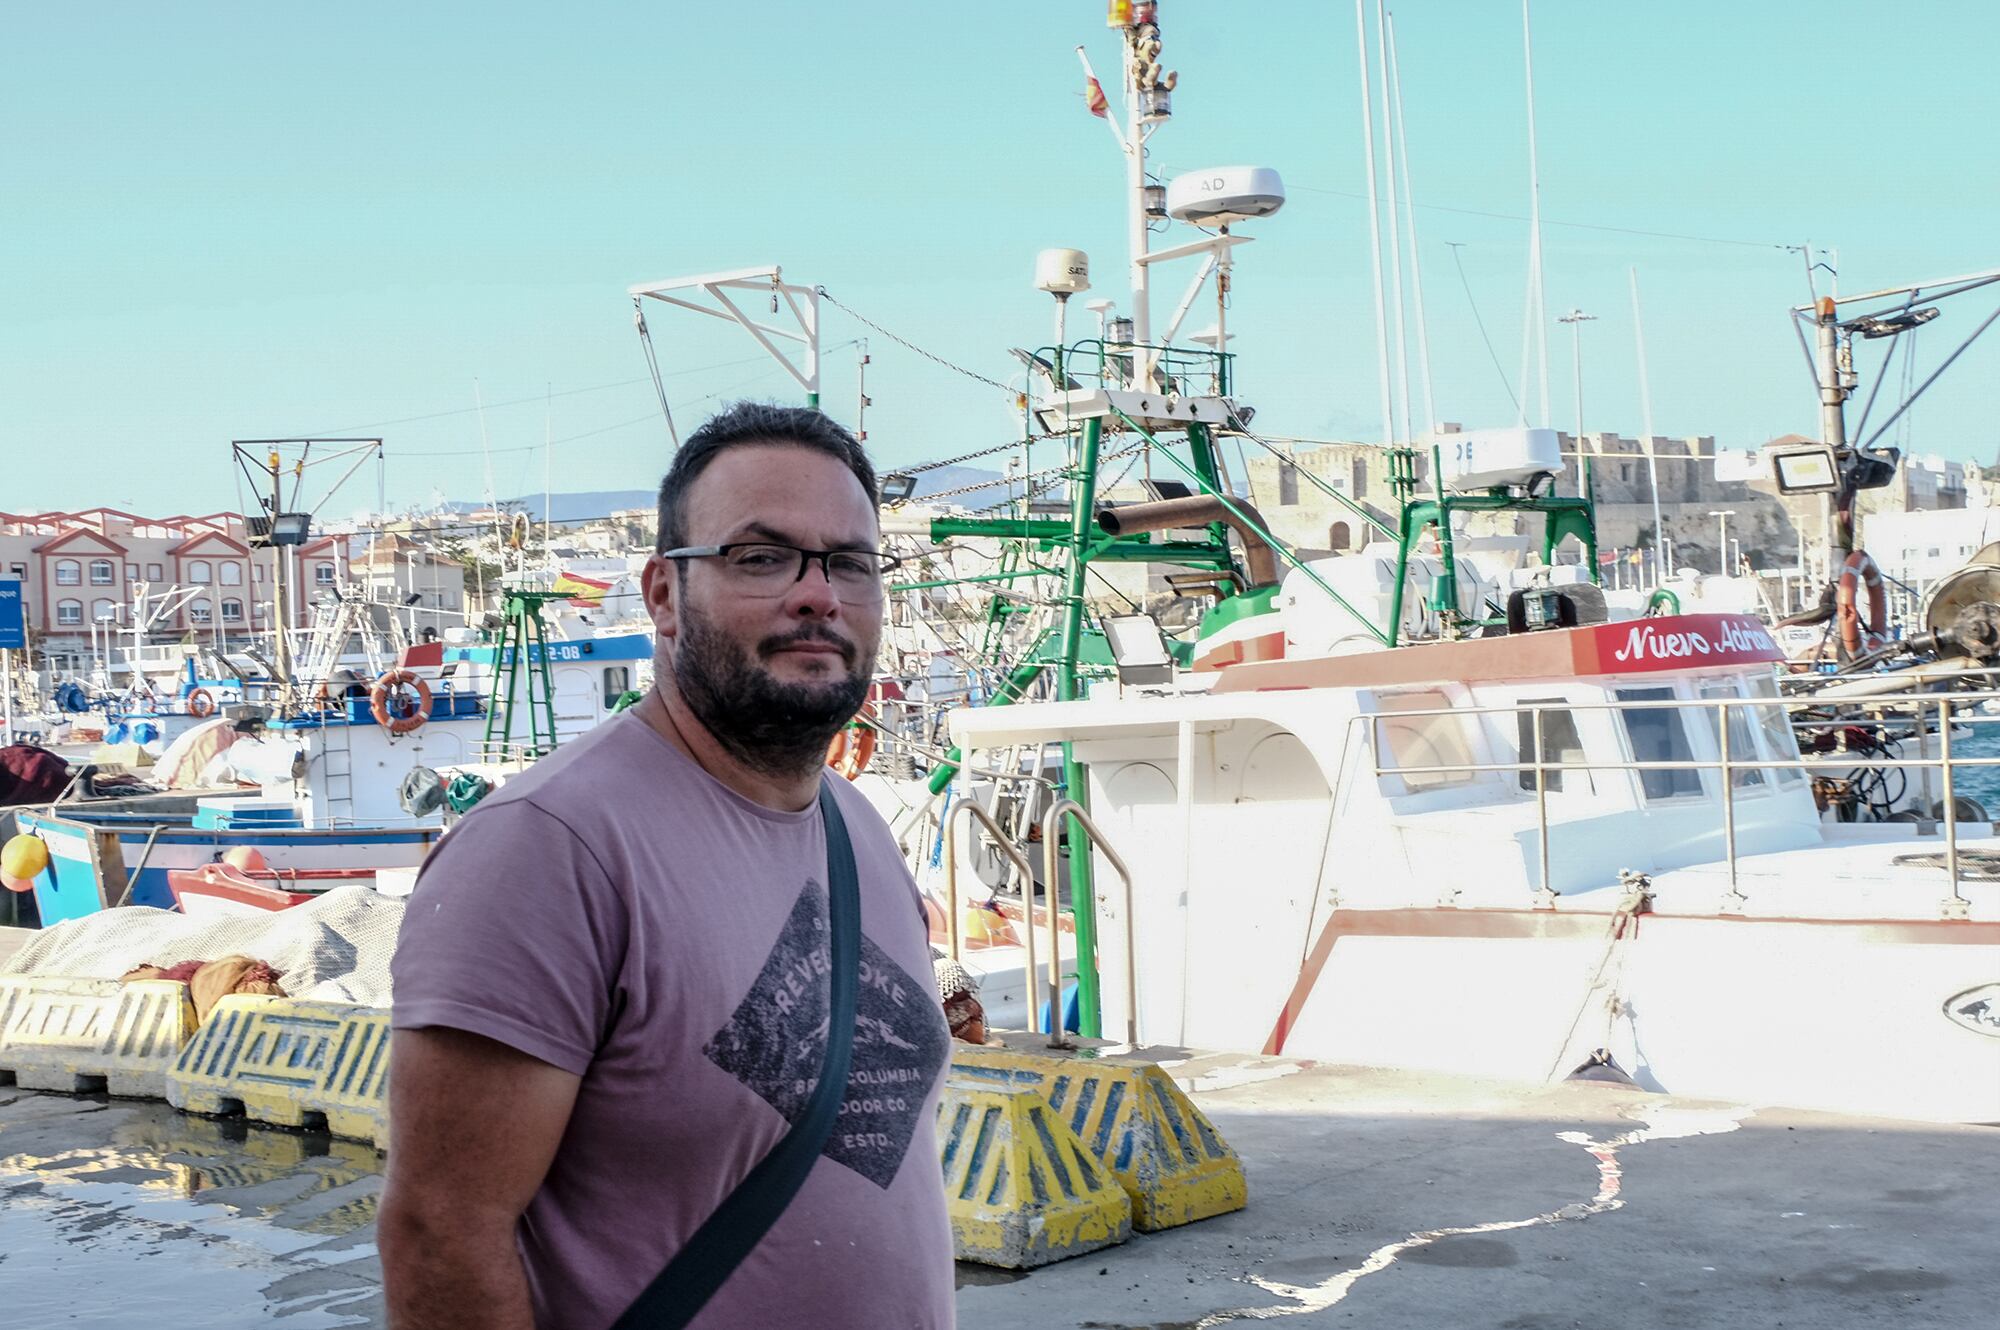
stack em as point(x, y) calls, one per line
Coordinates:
point(775, 1042)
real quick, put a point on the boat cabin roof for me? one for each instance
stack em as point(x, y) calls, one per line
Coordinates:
point(1706, 642)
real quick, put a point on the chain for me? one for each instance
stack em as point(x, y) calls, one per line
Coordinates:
point(910, 345)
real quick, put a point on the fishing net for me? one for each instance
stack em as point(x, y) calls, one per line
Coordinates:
point(335, 948)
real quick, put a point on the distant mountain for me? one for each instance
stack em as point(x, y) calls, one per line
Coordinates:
point(568, 508)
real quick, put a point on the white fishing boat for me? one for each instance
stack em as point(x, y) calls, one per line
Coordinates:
point(1429, 806)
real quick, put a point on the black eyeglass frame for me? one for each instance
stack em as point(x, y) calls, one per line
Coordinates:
point(889, 563)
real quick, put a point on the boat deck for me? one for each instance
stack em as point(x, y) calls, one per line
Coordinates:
point(1376, 1198)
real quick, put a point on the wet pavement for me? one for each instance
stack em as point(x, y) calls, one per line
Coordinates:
point(1376, 1199)
point(115, 1212)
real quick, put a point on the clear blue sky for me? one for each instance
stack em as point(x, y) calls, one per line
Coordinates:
point(247, 220)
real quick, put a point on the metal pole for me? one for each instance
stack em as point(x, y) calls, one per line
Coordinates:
point(1832, 413)
point(1576, 318)
point(1547, 895)
point(1956, 902)
point(1735, 900)
point(1083, 494)
point(282, 647)
point(1646, 413)
point(1375, 231)
point(7, 694)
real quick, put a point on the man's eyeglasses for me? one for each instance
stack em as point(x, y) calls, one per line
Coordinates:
point(763, 569)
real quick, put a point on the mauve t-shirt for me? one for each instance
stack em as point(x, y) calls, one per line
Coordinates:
point(619, 913)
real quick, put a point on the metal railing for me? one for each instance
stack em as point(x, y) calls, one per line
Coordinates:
point(1726, 764)
point(954, 928)
point(1051, 825)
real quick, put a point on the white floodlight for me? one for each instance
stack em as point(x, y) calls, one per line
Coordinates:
point(1806, 470)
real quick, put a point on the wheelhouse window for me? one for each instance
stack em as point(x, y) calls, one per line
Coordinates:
point(1742, 733)
point(1416, 745)
point(1775, 724)
point(1658, 734)
point(617, 682)
point(1559, 737)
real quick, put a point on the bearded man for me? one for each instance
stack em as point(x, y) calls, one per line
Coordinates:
point(619, 988)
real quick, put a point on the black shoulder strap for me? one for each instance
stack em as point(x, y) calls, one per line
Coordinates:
point(705, 1262)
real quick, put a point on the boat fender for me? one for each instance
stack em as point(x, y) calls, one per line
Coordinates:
point(465, 791)
point(246, 859)
point(391, 706)
point(853, 745)
point(201, 704)
point(1857, 572)
point(422, 792)
point(22, 860)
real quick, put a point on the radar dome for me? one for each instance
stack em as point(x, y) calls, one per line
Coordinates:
point(1225, 194)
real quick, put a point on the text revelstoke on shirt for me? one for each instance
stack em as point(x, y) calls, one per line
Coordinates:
point(619, 913)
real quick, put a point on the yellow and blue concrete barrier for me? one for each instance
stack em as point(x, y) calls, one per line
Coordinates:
point(1021, 1190)
point(290, 1063)
point(1135, 1122)
point(92, 1034)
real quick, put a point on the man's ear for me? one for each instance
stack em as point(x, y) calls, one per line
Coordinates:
point(660, 586)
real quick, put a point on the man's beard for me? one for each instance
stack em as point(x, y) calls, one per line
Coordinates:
point(772, 727)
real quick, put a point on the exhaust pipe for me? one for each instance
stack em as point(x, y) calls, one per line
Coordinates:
point(1198, 510)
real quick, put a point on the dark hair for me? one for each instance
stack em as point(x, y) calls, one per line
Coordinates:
point(748, 424)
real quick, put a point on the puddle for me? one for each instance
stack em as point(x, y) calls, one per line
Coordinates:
point(108, 1207)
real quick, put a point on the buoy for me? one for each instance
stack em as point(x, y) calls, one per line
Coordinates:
point(23, 858)
point(391, 707)
point(21, 885)
point(853, 744)
point(201, 703)
point(246, 859)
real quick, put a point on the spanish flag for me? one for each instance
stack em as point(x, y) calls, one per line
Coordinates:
point(585, 591)
point(1093, 97)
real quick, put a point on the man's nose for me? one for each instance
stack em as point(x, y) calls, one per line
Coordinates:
point(812, 596)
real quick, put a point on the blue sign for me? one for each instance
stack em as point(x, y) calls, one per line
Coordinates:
point(13, 624)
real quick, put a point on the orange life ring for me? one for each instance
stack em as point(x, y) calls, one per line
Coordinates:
point(1859, 571)
point(201, 704)
point(385, 688)
point(853, 745)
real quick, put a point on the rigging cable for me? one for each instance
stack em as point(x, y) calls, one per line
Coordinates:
point(912, 346)
point(653, 365)
point(1456, 246)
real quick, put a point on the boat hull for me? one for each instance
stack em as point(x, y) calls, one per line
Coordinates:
point(91, 863)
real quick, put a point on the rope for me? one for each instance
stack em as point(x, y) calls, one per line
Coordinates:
point(907, 344)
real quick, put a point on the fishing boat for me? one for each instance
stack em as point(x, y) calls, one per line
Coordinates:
point(327, 796)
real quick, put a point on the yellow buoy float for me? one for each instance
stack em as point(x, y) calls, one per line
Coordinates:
point(22, 859)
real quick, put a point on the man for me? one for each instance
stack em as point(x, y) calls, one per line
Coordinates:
point(612, 983)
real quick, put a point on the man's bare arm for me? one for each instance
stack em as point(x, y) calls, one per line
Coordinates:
point(473, 1127)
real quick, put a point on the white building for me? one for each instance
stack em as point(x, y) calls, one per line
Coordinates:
point(1917, 548)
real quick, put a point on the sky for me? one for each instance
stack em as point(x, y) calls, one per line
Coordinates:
point(248, 221)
